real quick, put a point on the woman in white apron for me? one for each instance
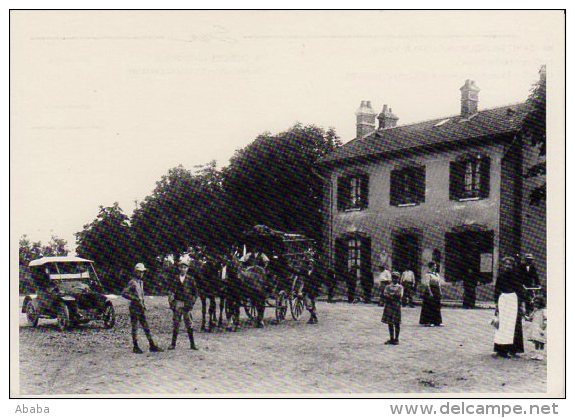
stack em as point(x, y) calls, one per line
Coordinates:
point(508, 294)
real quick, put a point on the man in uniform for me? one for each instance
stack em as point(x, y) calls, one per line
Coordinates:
point(530, 280)
point(182, 297)
point(134, 292)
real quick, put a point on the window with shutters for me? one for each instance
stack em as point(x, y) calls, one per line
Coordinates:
point(353, 192)
point(407, 186)
point(469, 178)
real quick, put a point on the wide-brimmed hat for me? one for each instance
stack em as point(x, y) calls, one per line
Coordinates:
point(529, 256)
point(140, 267)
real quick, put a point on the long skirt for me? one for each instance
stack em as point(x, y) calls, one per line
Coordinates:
point(509, 336)
point(431, 310)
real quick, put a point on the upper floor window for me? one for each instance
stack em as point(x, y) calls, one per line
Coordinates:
point(407, 186)
point(469, 178)
point(353, 192)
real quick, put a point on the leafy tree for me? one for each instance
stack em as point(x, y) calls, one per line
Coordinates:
point(534, 130)
point(183, 210)
point(107, 240)
point(273, 181)
point(29, 251)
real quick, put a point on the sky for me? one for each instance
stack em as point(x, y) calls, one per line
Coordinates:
point(103, 103)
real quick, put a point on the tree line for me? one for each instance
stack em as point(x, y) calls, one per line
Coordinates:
point(271, 181)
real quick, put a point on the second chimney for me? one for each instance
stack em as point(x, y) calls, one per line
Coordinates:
point(469, 99)
point(387, 119)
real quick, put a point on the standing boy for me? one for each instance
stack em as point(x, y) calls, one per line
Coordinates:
point(182, 297)
point(134, 292)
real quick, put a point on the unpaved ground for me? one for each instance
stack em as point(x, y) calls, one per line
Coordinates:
point(344, 353)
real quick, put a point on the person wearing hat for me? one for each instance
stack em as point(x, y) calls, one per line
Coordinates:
point(182, 297)
point(530, 280)
point(134, 292)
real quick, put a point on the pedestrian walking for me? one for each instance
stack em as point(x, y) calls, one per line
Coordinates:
point(408, 283)
point(134, 292)
point(431, 297)
point(182, 297)
point(393, 294)
point(509, 295)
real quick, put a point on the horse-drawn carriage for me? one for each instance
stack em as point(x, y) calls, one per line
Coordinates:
point(289, 258)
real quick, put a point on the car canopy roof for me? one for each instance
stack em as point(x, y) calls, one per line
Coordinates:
point(62, 259)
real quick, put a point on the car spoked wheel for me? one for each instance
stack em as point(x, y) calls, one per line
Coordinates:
point(109, 316)
point(63, 317)
point(31, 314)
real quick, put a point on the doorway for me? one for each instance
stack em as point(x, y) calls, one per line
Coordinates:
point(469, 252)
point(406, 253)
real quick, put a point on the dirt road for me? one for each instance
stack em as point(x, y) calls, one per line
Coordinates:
point(344, 353)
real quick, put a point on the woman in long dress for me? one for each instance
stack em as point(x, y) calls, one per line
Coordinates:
point(431, 298)
point(509, 295)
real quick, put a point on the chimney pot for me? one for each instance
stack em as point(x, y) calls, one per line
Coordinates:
point(365, 119)
point(469, 98)
point(386, 118)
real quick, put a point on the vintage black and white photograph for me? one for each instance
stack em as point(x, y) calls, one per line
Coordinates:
point(287, 203)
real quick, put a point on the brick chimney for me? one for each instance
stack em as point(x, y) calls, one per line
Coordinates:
point(387, 119)
point(365, 119)
point(469, 98)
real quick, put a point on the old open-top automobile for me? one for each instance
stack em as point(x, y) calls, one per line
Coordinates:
point(67, 289)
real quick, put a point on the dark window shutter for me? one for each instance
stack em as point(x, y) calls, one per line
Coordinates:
point(364, 192)
point(420, 184)
point(485, 179)
point(455, 180)
point(394, 190)
point(342, 193)
point(341, 257)
point(366, 257)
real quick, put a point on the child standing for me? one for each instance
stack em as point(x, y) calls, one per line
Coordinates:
point(539, 327)
point(392, 296)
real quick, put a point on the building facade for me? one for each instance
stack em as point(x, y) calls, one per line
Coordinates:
point(449, 190)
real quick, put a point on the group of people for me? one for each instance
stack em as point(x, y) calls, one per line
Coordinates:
point(183, 292)
point(182, 297)
point(515, 302)
point(516, 298)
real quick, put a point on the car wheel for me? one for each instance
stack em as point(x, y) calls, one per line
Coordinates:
point(63, 317)
point(31, 314)
point(109, 316)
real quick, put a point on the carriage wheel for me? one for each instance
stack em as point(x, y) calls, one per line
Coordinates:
point(296, 302)
point(251, 310)
point(281, 305)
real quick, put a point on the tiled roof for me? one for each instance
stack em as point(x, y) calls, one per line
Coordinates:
point(486, 123)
